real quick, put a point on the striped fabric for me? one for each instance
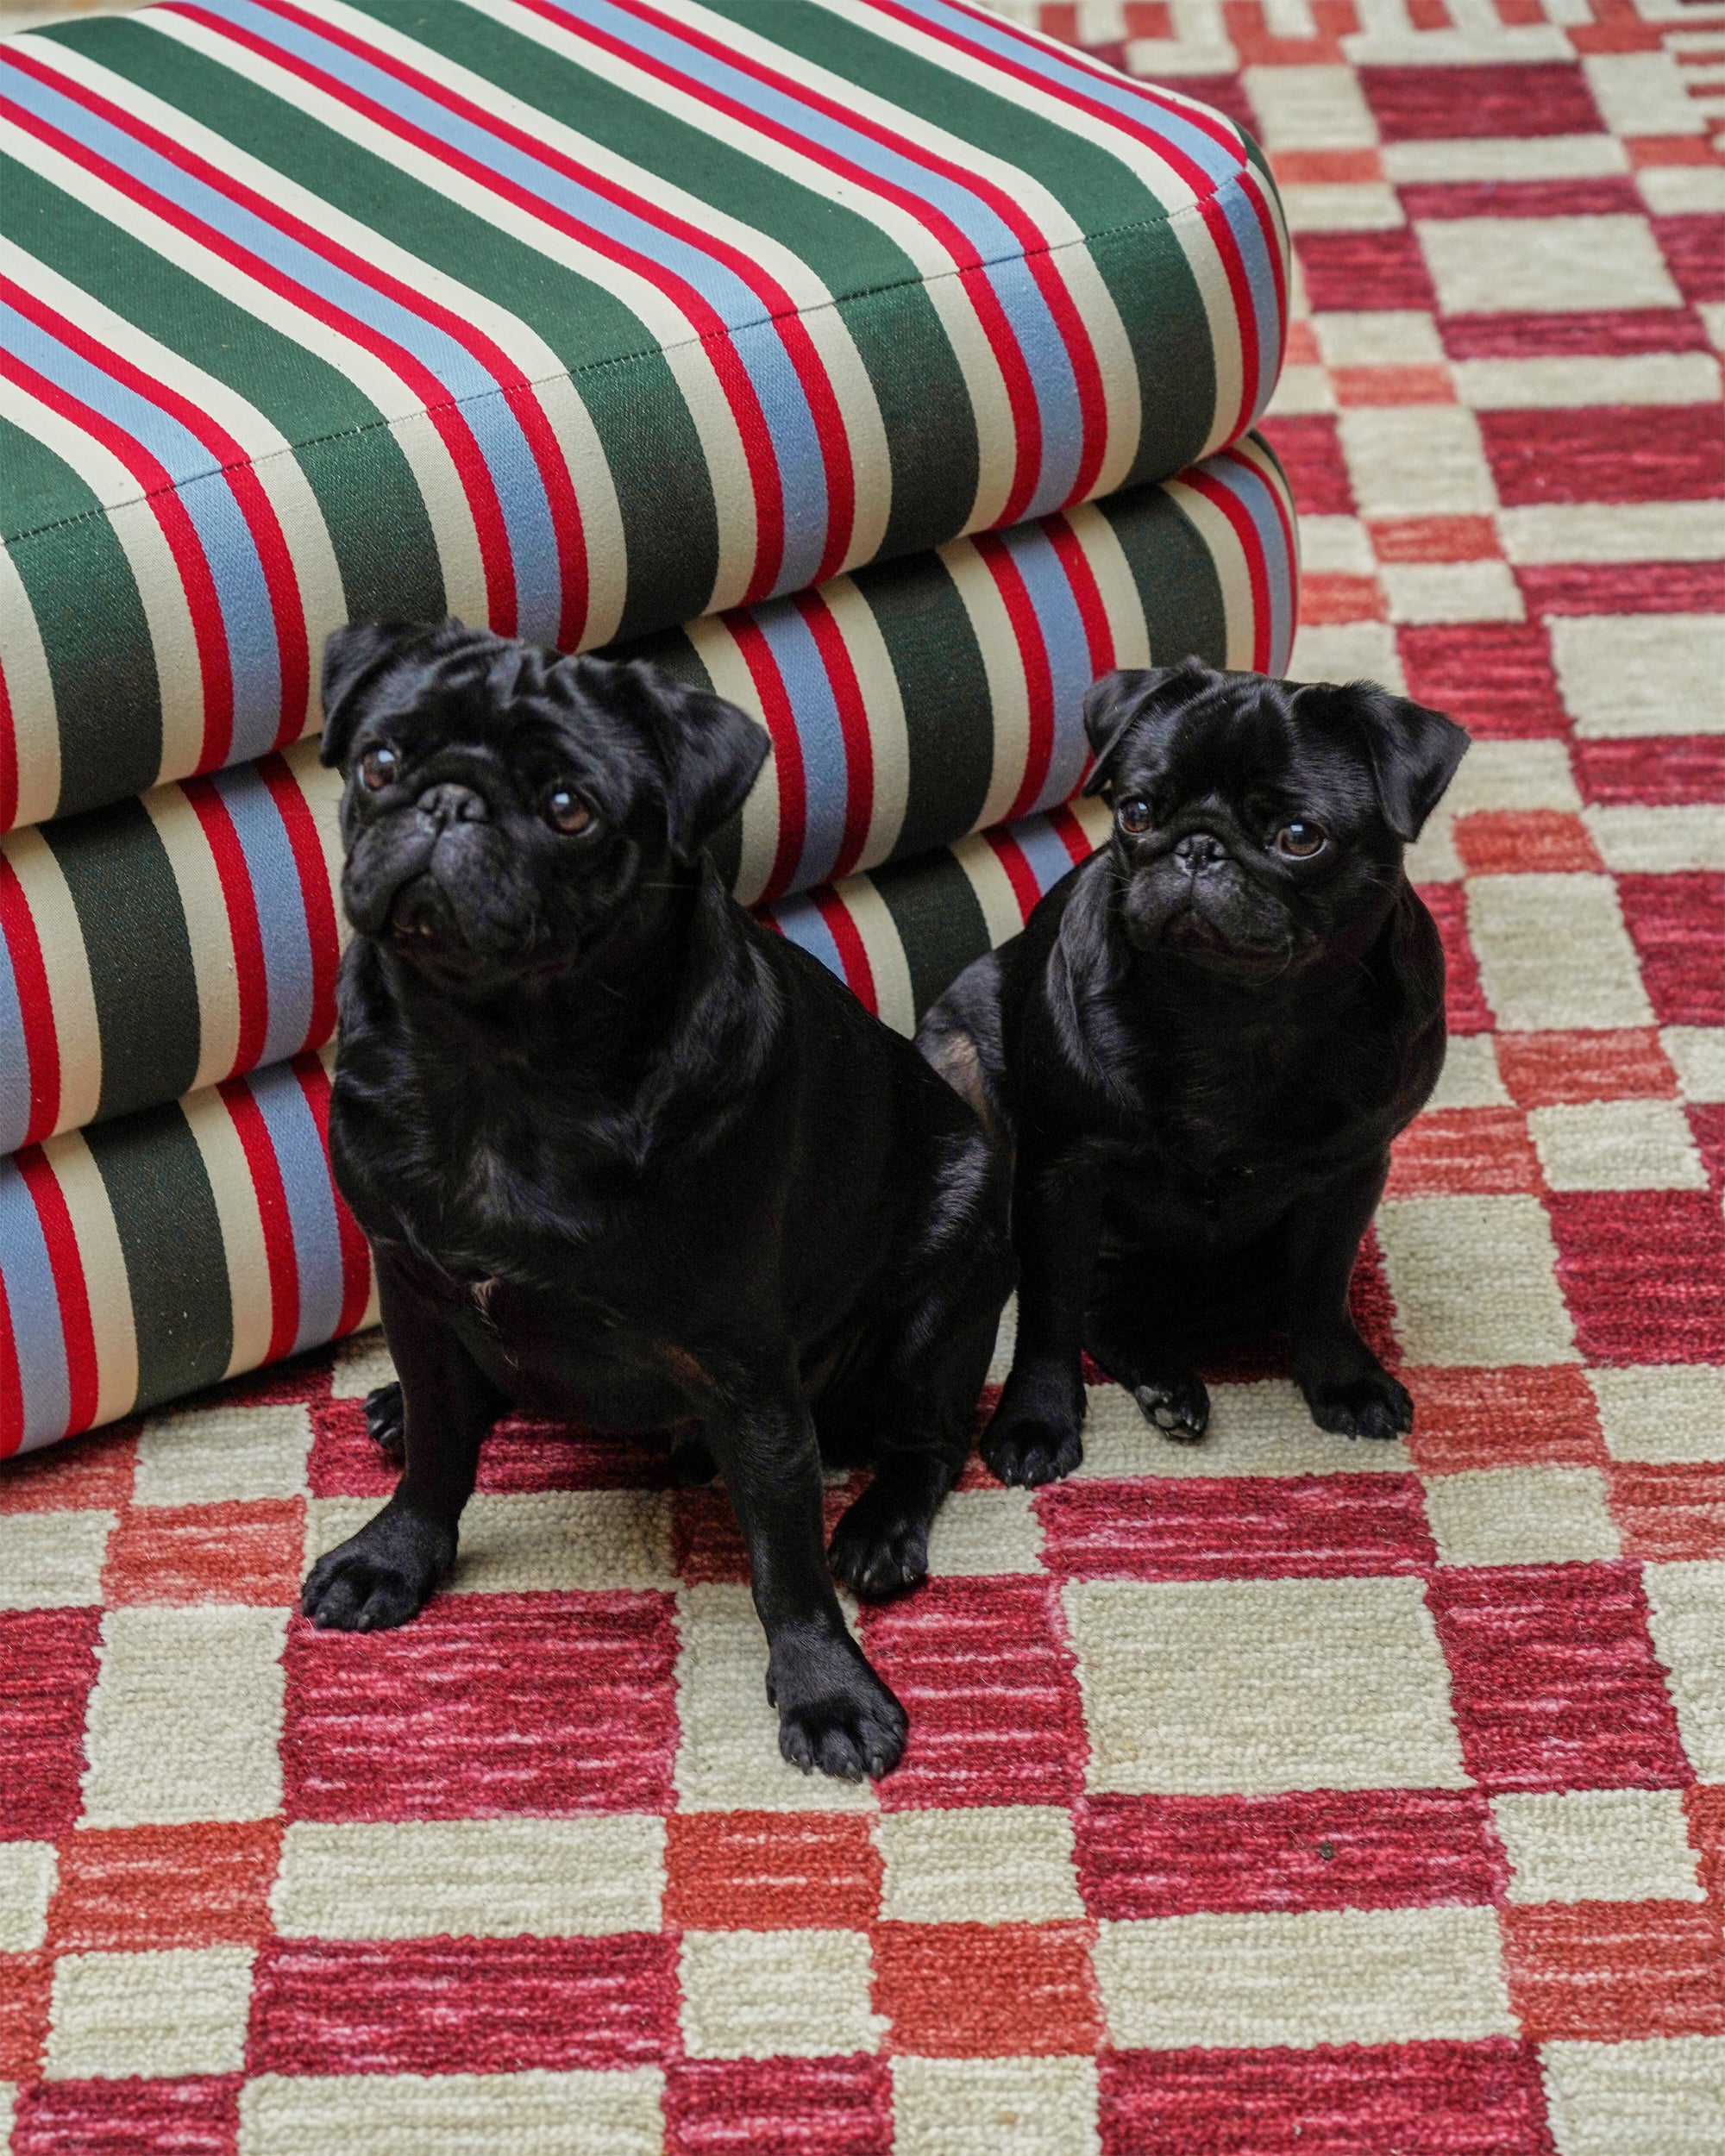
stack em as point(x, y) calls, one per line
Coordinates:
point(148, 1257)
point(608, 313)
point(159, 945)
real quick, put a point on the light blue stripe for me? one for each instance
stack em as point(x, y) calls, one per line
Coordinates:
point(1251, 490)
point(14, 1059)
point(37, 1330)
point(282, 925)
point(820, 734)
point(1048, 857)
point(310, 1201)
point(800, 920)
point(1260, 279)
point(1061, 627)
point(526, 513)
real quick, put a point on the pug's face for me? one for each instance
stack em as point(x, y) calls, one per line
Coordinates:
point(1257, 821)
point(505, 807)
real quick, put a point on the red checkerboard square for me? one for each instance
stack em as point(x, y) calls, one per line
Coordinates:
point(128, 1889)
point(1506, 841)
point(1464, 997)
point(1668, 1510)
point(250, 1551)
point(1691, 246)
point(198, 2116)
point(546, 1704)
point(1421, 2099)
point(1493, 677)
point(763, 1872)
point(47, 1664)
point(1349, 271)
point(1311, 453)
point(1606, 333)
point(94, 1475)
point(986, 1990)
point(1676, 923)
point(1661, 769)
point(516, 1458)
point(1268, 1526)
point(1418, 104)
point(1553, 1679)
point(1612, 1972)
point(1172, 1856)
point(1432, 539)
point(1606, 198)
point(25, 1981)
point(1643, 1272)
point(1624, 587)
point(1606, 454)
point(779, 2107)
point(1544, 1070)
point(1538, 1416)
point(1455, 1150)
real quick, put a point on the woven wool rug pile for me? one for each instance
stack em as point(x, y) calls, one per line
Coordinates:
point(1285, 1795)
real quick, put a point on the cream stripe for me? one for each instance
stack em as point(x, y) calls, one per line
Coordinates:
point(271, 454)
point(874, 924)
point(439, 484)
point(1227, 351)
point(716, 649)
point(67, 962)
point(105, 1278)
point(241, 1227)
point(166, 614)
point(1094, 819)
point(884, 707)
point(1225, 551)
point(984, 381)
point(322, 788)
point(1128, 631)
point(207, 930)
point(30, 692)
point(989, 881)
point(1003, 666)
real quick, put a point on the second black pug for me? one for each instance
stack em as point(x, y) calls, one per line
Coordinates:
point(625, 1157)
point(1203, 1045)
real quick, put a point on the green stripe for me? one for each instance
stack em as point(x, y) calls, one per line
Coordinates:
point(170, 1236)
point(85, 600)
point(133, 922)
point(1170, 343)
point(938, 919)
point(1178, 583)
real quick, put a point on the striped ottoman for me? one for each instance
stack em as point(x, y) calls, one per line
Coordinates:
point(880, 365)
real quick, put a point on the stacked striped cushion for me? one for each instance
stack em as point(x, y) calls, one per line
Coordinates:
point(881, 366)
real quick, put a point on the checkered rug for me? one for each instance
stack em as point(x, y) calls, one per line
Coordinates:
point(1279, 1795)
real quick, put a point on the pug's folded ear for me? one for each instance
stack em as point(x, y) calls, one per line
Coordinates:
point(1414, 754)
point(1113, 706)
point(355, 658)
point(712, 753)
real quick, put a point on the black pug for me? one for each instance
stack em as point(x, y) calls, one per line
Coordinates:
point(627, 1157)
point(1202, 1045)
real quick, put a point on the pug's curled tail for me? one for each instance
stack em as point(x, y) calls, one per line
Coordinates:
point(960, 1038)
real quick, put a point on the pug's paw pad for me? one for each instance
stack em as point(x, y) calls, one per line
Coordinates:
point(1373, 1406)
point(380, 1577)
point(1177, 1406)
point(835, 1715)
point(386, 1419)
point(1030, 1449)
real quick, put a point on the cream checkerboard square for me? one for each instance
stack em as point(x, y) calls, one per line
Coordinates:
point(1616, 1145)
point(1687, 1605)
point(1304, 1977)
point(1642, 93)
point(52, 1560)
point(1505, 157)
point(1346, 651)
point(1697, 1053)
point(533, 2114)
point(993, 1864)
point(1262, 1428)
point(178, 2010)
point(1521, 1516)
point(995, 2107)
point(1252, 1686)
point(1511, 774)
point(1340, 206)
point(984, 1531)
point(479, 1878)
point(1475, 1281)
point(539, 1541)
point(1548, 265)
point(766, 1995)
point(1656, 2096)
point(1338, 546)
point(1636, 840)
point(1470, 1077)
point(1632, 674)
point(1644, 377)
point(1597, 1846)
point(213, 1677)
point(1553, 953)
point(1306, 106)
point(205, 1456)
point(1378, 337)
point(27, 1872)
point(1451, 590)
point(1416, 460)
point(1611, 531)
point(1670, 1411)
point(362, 1363)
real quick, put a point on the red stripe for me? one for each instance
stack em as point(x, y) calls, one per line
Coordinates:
point(441, 409)
point(1020, 874)
point(313, 872)
point(250, 979)
point(71, 1292)
point(1098, 637)
point(852, 955)
point(1265, 474)
point(41, 1037)
point(1072, 834)
point(1240, 292)
point(788, 752)
point(356, 1257)
point(11, 1382)
point(1033, 657)
point(853, 721)
point(286, 606)
point(9, 758)
point(1015, 373)
point(208, 629)
point(280, 1255)
point(1224, 497)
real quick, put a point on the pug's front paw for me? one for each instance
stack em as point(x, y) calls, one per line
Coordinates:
point(835, 1714)
point(1036, 1434)
point(381, 1577)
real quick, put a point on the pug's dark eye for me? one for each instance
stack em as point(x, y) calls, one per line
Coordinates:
point(379, 767)
point(566, 812)
point(1299, 841)
point(1135, 814)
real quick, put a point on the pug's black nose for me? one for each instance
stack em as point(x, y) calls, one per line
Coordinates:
point(450, 804)
point(1198, 850)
